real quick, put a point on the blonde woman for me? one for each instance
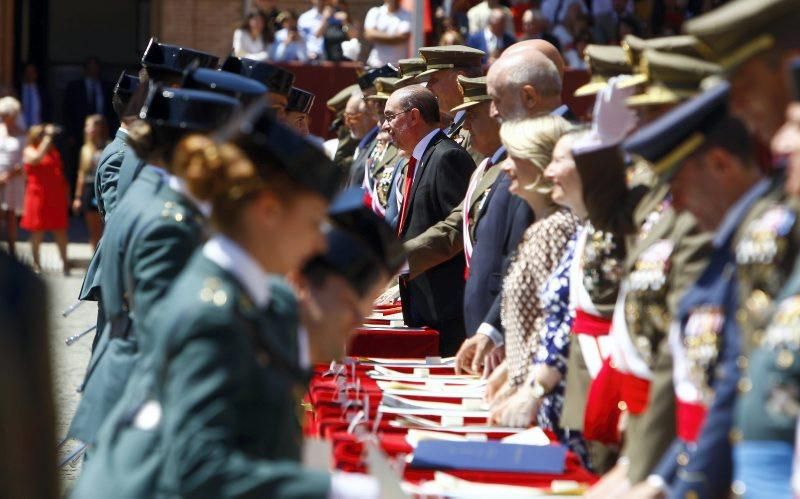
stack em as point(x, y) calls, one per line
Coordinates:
point(12, 175)
point(530, 146)
point(536, 300)
point(95, 133)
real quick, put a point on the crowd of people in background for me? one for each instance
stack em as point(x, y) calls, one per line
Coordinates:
point(327, 31)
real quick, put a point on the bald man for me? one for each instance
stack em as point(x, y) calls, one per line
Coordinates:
point(526, 82)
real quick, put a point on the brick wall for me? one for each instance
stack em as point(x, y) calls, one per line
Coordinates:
point(209, 24)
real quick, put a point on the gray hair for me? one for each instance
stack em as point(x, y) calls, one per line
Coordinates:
point(542, 74)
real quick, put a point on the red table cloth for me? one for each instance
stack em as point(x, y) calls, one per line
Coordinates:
point(396, 343)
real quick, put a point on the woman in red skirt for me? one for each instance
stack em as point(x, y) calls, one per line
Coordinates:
point(46, 201)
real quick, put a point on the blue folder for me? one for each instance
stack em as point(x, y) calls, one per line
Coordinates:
point(490, 456)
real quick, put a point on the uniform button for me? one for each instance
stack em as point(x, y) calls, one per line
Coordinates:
point(741, 361)
point(738, 488)
point(206, 294)
point(179, 217)
point(785, 359)
point(219, 298)
point(683, 459)
point(622, 406)
point(745, 385)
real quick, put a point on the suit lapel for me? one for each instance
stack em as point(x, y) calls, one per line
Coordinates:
point(421, 167)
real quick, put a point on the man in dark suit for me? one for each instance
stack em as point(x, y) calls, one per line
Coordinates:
point(36, 105)
point(86, 96)
point(436, 181)
point(494, 38)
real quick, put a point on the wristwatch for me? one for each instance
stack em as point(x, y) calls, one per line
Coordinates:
point(538, 390)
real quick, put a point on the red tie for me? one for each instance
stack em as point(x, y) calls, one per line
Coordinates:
point(412, 164)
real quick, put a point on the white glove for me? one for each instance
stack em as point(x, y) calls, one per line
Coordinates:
point(612, 120)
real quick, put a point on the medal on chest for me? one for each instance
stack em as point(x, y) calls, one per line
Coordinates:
point(764, 240)
point(702, 339)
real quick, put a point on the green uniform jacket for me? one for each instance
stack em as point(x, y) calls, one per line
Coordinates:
point(445, 239)
point(147, 246)
point(107, 175)
point(769, 398)
point(766, 247)
point(662, 264)
point(216, 413)
point(105, 189)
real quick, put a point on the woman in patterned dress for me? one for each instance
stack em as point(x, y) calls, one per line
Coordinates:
point(530, 146)
point(540, 397)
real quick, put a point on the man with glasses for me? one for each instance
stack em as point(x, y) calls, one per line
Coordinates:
point(435, 182)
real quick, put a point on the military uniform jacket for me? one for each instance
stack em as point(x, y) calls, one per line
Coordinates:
point(768, 409)
point(664, 259)
point(766, 247)
point(445, 239)
point(766, 253)
point(216, 414)
point(128, 171)
point(455, 130)
point(706, 345)
point(105, 187)
point(147, 246)
point(107, 175)
point(365, 148)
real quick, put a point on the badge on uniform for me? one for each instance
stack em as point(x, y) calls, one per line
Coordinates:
point(652, 267)
point(701, 340)
point(784, 331)
point(764, 238)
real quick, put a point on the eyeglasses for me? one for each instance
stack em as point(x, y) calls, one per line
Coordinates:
point(391, 116)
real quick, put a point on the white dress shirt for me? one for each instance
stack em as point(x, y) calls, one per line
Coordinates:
point(308, 24)
point(389, 23)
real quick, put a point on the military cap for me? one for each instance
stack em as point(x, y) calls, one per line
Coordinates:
point(412, 66)
point(272, 145)
point(126, 84)
point(213, 80)
point(605, 62)
point(676, 135)
point(367, 80)
point(360, 242)
point(384, 88)
point(194, 110)
point(474, 92)
point(173, 58)
point(449, 57)
point(338, 102)
point(670, 78)
point(300, 100)
point(680, 44)
point(740, 29)
point(277, 80)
